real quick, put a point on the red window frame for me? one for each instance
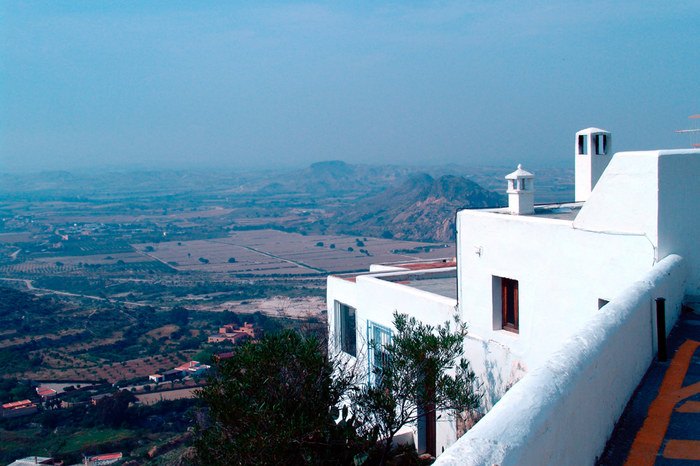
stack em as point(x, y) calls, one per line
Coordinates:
point(509, 305)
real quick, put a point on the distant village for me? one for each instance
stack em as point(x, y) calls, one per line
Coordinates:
point(169, 384)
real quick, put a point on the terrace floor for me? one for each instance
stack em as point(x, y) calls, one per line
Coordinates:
point(661, 424)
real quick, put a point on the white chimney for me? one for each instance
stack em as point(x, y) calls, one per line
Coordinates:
point(521, 192)
point(593, 153)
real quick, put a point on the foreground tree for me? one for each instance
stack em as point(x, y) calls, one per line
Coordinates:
point(421, 373)
point(274, 402)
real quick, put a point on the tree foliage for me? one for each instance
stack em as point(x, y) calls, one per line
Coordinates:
point(274, 402)
point(12, 389)
point(180, 315)
point(112, 410)
point(425, 374)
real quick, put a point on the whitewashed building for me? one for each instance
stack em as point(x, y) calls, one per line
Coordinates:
point(558, 299)
point(361, 309)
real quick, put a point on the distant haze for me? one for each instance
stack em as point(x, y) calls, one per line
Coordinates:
point(175, 84)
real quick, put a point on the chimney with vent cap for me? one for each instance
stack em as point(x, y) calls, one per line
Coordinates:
point(593, 149)
point(521, 192)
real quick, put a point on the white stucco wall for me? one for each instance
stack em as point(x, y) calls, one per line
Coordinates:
point(625, 200)
point(654, 193)
point(679, 210)
point(564, 410)
point(561, 273)
point(338, 289)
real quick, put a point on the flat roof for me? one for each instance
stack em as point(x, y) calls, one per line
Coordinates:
point(446, 286)
point(439, 282)
point(566, 211)
point(436, 277)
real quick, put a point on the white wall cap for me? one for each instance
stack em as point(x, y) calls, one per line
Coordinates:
point(678, 152)
point(385, 268)
point(658, 152)
point(407, 289)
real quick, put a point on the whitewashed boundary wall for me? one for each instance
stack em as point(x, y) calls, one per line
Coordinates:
point(564, 411)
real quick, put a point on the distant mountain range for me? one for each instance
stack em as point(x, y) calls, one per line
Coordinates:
point(403, 202)
point(338, 178)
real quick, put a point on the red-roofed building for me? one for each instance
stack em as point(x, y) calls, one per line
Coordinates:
point(192, 368)
point(19, 408)
point(100, 460)
point(16, 404)
point(46, 393)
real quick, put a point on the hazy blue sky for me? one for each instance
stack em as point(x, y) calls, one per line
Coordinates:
point(206, 84)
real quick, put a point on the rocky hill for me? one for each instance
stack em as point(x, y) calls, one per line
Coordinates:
point(421, 208)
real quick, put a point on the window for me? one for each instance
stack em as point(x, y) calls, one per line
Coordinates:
point(582, 144)
point(505, 304)
point(377, 337)
point(345, 328)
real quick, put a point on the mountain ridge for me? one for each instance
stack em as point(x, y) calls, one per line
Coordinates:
point(422, 207)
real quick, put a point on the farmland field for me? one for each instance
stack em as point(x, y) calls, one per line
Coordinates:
point(273, 252)
point(151, 398)
point(114, 372)
point(94, 272)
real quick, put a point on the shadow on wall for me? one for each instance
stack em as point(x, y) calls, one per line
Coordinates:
point(495, 359)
